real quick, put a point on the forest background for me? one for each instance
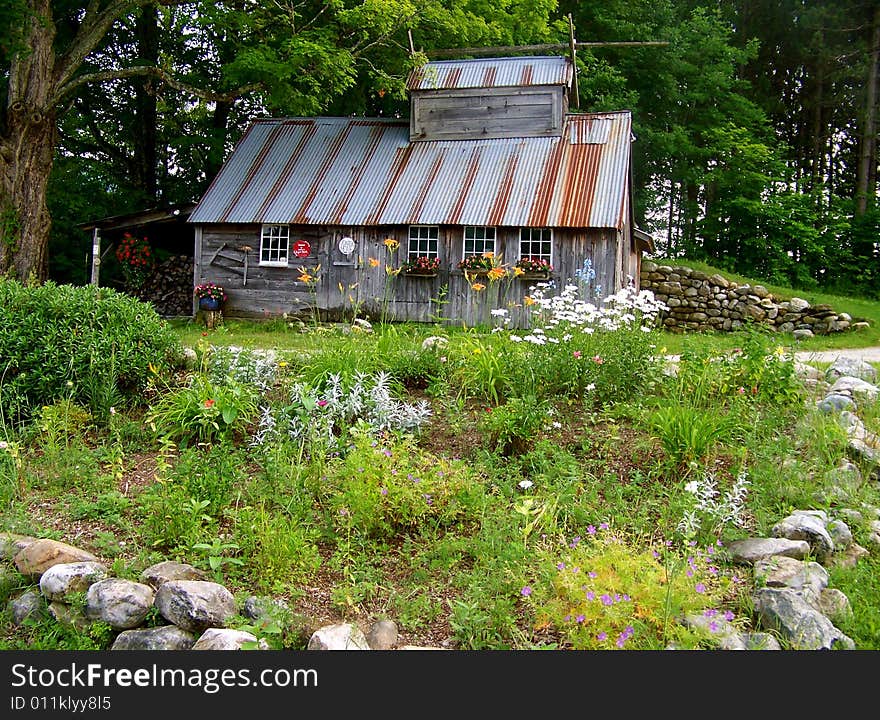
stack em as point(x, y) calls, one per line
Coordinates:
point(756, 121)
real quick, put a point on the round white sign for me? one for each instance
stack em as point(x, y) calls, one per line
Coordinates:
point(346, 246)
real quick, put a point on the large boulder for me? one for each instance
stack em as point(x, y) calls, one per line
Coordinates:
point(801, 625)
point(166, 637)
point(342, 636)
point(160, 573)
point(228, 639)
point(122, 604)
point(195, 605)
point(37, 557)
point(750, 550)
point(62, 580)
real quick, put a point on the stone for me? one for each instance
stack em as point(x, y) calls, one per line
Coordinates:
point(195, 605)
point(809, 527)
point(840, 534)
point(855, 388)
point(29, 604)
point(228, 639)
point(12, 543)
point(69, 615)
point(808, 578)
point(166, 637)
point(802, 334)
point(40, 555)
point(257, 608)
point(382, 635)
point(341, 636)
point(760, 641)
point(122, 604)
point(750, 550)
point(797, 305)
point(835, 402)
point(162, 572)
point(834, 605)
point(801, 625)
point(64, 579)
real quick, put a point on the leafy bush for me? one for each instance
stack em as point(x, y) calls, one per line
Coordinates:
point(511, 428)
point(204, 411)
point(382, 490)
point(52, 335)
point(602, 593)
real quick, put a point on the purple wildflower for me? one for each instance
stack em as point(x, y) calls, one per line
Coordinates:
point(700, 588)
point(606, 599)
point(602, 636)
point(591, 529)
point(526, 591)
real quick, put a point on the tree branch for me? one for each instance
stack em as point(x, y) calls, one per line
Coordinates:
point(161, 75)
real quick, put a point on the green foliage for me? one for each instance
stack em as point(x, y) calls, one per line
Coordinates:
point(604, 593)
point(511, 428)
point(687, 434)
point(204, 411)
point(280, 551)
point(54, 335)
point(380, 490)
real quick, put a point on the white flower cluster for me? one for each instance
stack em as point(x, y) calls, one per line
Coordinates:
point(324, 412)
point(707, 506)
point(568, 312)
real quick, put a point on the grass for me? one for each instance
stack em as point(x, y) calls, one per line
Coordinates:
point(461, 526)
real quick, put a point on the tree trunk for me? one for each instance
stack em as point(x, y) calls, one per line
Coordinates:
point(868, 145)
point(26, 153)
point(146, 123)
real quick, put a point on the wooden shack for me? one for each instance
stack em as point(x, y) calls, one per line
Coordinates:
point(326, 212)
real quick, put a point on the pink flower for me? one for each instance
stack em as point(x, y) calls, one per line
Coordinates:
point(598, 359)
point(322, 403)
point(577, 353)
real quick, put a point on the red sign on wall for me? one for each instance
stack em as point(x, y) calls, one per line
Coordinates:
point(301, 249)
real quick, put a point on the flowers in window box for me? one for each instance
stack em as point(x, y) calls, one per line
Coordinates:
point(136, 260)
point(477, 263)
point(421, 265)
point(533, 266)
point(210, 290)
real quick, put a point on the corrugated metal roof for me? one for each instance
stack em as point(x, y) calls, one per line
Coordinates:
point(491, 72)
point(345, 171)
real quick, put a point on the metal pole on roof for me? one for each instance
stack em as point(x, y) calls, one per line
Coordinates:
point(572, 44)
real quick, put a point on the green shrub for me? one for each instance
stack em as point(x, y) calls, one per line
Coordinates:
point(204, 411)
point(511, 428)
point(381, 490)
point(100, 341)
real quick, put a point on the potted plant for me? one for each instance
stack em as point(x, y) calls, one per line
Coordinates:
point(533, 268)
point(209, 295)
point(423, 266)
point(135, 260)
point(478, 264)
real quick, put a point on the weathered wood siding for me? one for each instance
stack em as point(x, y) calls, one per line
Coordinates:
point(483, 113)
point(368, 282)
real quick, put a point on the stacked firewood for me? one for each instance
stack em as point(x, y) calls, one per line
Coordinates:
point(170, 287)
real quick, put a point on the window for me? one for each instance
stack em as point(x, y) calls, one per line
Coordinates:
point(479, 240)
point(536, 243)
point(274, 245)
point(422, 241)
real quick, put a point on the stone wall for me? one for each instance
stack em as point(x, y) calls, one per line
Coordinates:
point(698, 301)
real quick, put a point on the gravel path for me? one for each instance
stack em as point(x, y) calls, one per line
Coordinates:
point(869, 354)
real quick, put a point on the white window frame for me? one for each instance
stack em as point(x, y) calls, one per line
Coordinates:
point(540, 241)
point(278, 253)
point(486, 231)
point(422, 238)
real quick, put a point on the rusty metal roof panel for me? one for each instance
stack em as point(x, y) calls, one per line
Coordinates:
point(494, 72)
point(346, 171)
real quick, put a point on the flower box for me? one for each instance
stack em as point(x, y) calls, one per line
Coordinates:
point(421, 273)
point(535, 275)
point(422, 266)
point(532, 268)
